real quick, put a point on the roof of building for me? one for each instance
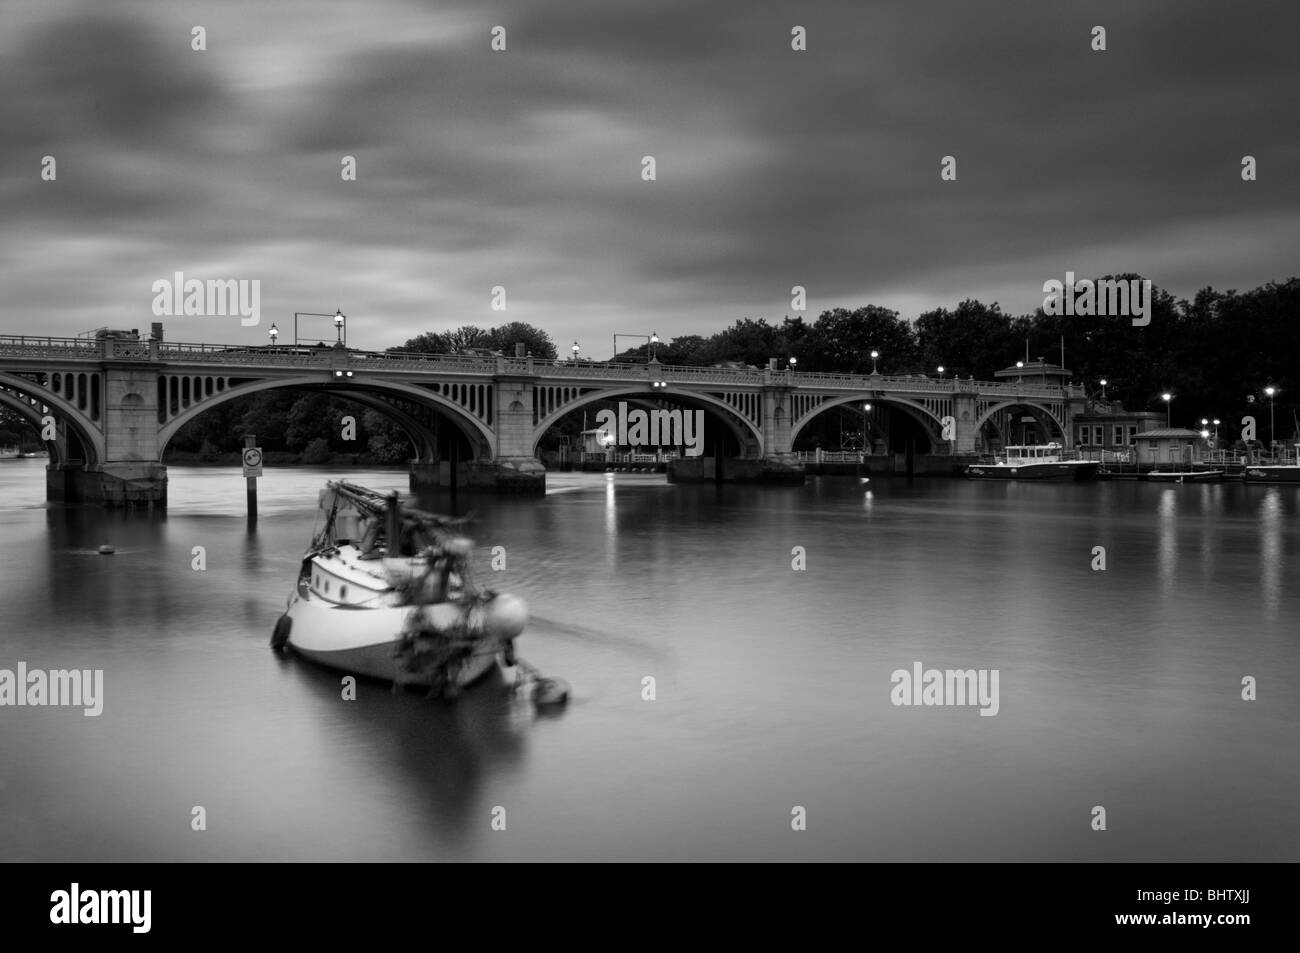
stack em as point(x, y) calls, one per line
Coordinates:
point(1034, 367)
point(1169, 432)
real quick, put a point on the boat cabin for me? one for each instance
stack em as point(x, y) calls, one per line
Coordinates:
point(1032, 453)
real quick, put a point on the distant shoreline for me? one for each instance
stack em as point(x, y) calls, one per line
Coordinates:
point(278, 458)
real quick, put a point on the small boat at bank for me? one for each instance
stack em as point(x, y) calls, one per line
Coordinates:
point(385, 591)
point(9, 453)
point(1185, 476)
point(1035, 462)
point(1273, 473)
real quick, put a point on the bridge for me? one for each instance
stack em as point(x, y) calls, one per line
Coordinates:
point(107, 407)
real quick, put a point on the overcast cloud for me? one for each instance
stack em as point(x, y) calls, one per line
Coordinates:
point(522, 168)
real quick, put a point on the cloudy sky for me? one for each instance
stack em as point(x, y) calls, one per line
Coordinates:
point(523, 169)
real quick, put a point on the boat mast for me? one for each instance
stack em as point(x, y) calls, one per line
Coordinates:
point(393, 526)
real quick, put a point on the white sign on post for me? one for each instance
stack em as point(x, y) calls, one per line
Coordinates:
point(252, 461)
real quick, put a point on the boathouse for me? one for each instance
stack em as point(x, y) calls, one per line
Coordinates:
point(1168, 445)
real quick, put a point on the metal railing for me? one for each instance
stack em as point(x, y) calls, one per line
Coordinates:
point(65, 348)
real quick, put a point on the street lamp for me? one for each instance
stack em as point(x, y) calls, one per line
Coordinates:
point(941, 370)
point(654, 344)
point(650, 339)
point(793, 362)
point(875, 356)
point(1216, 431)
point(273, 334)
point(1103, 388)
point(339, 323)
point(1020, 366)
point(1167, 397)
point(1272, 434)
point(575, 349)
point(866, 413)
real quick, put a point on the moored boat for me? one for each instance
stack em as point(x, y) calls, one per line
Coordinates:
point(1273, 473)
point(1035, 462)
point(385, 591)
point(1185, 476)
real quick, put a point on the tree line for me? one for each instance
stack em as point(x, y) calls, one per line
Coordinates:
point(1215, 353)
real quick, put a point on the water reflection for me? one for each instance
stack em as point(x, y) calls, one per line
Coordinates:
point(773, 685)
point(1271, 555)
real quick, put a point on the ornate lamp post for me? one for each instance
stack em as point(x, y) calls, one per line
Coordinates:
point(1272, 434)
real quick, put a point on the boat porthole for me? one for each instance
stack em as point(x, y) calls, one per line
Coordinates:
point(327, 587)
point(343, 592)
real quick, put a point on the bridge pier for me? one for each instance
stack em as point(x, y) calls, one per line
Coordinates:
point(113, 484)
point(774, 470)
point(523, 476)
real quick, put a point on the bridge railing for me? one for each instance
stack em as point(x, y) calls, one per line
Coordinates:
point(65, 348)
point(666, 372)
point(26, 345)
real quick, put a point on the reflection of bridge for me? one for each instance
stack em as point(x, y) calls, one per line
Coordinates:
point(108, 407)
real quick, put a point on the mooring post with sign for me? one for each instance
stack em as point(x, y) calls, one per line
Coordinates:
point(252, 470)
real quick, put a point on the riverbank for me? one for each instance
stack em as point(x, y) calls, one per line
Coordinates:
point(279, 458)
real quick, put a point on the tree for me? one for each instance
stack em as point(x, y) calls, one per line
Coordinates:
point(311, 417)
point(975, 340)
point(386, 442)
point(536, 341)
point(430, 342)
point(316, 452)
point(842, 340)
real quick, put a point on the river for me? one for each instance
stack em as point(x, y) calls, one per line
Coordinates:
point(1119, 688)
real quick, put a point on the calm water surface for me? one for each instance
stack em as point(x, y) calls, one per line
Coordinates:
point(1118, 688)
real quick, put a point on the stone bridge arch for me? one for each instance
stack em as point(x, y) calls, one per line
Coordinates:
point(32, 401)
point(928, 412)
point(748, 435)
point(1053, 413)
point(482, 439)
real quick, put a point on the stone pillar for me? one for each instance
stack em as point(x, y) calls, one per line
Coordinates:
point(779, 465)
point(516, 468)
point(964, 412)
point(131, 471)
point(778, 411)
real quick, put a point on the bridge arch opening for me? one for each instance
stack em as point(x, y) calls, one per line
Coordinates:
point(1016, 423)
point(890, 426)
point(75, 444)
point(389, 424)
point(661, 416)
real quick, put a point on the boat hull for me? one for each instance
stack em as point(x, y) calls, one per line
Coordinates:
point(1054, 472)
point(1280, 474)
point(1191, 476)
point(365, 642)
